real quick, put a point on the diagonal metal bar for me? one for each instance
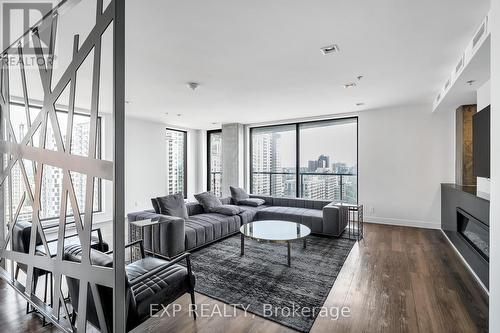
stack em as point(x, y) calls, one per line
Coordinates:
point(25, 95)
point(102, 23)
point(21, 165)
point(52, 44)
point(82, 306)
point(98, 307)
point(94, 111)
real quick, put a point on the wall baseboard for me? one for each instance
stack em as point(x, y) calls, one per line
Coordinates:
point(403, 222)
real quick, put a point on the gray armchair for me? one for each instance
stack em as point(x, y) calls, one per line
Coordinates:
point(169, 233)
point(148, 281)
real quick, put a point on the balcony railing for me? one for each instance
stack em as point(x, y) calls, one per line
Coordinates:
point(311, 185)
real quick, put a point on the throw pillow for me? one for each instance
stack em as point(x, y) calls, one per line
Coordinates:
point(254, 202)
point(229, 210)
point(173, 205)
point(238, 193)
point(208, 200)
point(155, 205)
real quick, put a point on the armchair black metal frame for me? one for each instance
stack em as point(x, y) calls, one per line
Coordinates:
point(143, 277)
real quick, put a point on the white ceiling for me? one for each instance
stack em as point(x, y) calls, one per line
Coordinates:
point(260, 60)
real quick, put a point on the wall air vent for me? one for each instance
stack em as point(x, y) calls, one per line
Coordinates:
point(479, 34)
point(334, 48)
point(447, 84)
point(460, 65)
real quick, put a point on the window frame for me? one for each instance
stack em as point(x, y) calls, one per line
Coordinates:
point(99, 155)
point(209, 157)
point(298, 184)
point(185, 136)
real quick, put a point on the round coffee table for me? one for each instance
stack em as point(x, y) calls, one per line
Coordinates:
point(274, 231)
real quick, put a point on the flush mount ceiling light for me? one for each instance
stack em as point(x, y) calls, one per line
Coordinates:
point(350, 85)
point(334, 48)
point(193, 85)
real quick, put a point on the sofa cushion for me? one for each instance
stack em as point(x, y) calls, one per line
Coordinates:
point(313, 218)
point(194, 208)
point(94, 244)
point(161, 288)
point(173, 205)
point(156, 207)
point(202, 229)
point(249, 212)
point(208, 200)
point(229, 210)
point(238, 193)
point(255, 202)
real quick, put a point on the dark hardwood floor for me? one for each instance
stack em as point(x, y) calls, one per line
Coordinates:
point(397, 279)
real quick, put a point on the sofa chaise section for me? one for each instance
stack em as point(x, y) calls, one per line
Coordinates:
point(321, 216)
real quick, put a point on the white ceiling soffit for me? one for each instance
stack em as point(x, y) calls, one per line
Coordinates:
point(471, 71)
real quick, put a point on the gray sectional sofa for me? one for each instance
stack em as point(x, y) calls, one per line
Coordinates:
point(174, 235)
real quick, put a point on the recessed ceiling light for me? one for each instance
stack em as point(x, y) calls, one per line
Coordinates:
point(471, 82)
point(193, 85)
point(179, 114)
point(350, 85)
point(360, 104)
point(334, 48)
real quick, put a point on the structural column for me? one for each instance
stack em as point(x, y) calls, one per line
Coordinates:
point(233, 156)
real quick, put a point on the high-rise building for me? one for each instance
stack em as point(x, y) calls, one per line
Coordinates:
point(324, 161)
point(175, 162)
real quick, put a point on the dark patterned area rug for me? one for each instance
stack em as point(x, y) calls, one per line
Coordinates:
point(261, 282)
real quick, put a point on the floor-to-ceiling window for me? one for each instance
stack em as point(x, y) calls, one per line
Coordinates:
point(214, 159)
point(52, 177)
point(176, 161)
point(314, 160)
point(273, 160)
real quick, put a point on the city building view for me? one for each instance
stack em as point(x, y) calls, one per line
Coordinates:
point(52, 177)
point(326, 172)
point(215, 163)
point(176, 161)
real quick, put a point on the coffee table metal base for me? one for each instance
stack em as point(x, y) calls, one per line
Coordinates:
point(288, 244)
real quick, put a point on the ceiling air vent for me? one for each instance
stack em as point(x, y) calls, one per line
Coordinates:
point(479, 34)
point(460, 65)
point(334, 48)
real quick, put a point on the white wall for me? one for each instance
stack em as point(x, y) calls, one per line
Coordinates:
point(146, 163)
point(484, 95)
point(404, 155)
point(495, 171)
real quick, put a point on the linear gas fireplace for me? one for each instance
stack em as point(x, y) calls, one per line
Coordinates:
point(475, 232)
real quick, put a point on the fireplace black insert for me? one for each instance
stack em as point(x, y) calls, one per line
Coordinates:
point(475, 232)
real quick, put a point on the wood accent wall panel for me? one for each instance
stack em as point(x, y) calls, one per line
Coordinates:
point(464, 164)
